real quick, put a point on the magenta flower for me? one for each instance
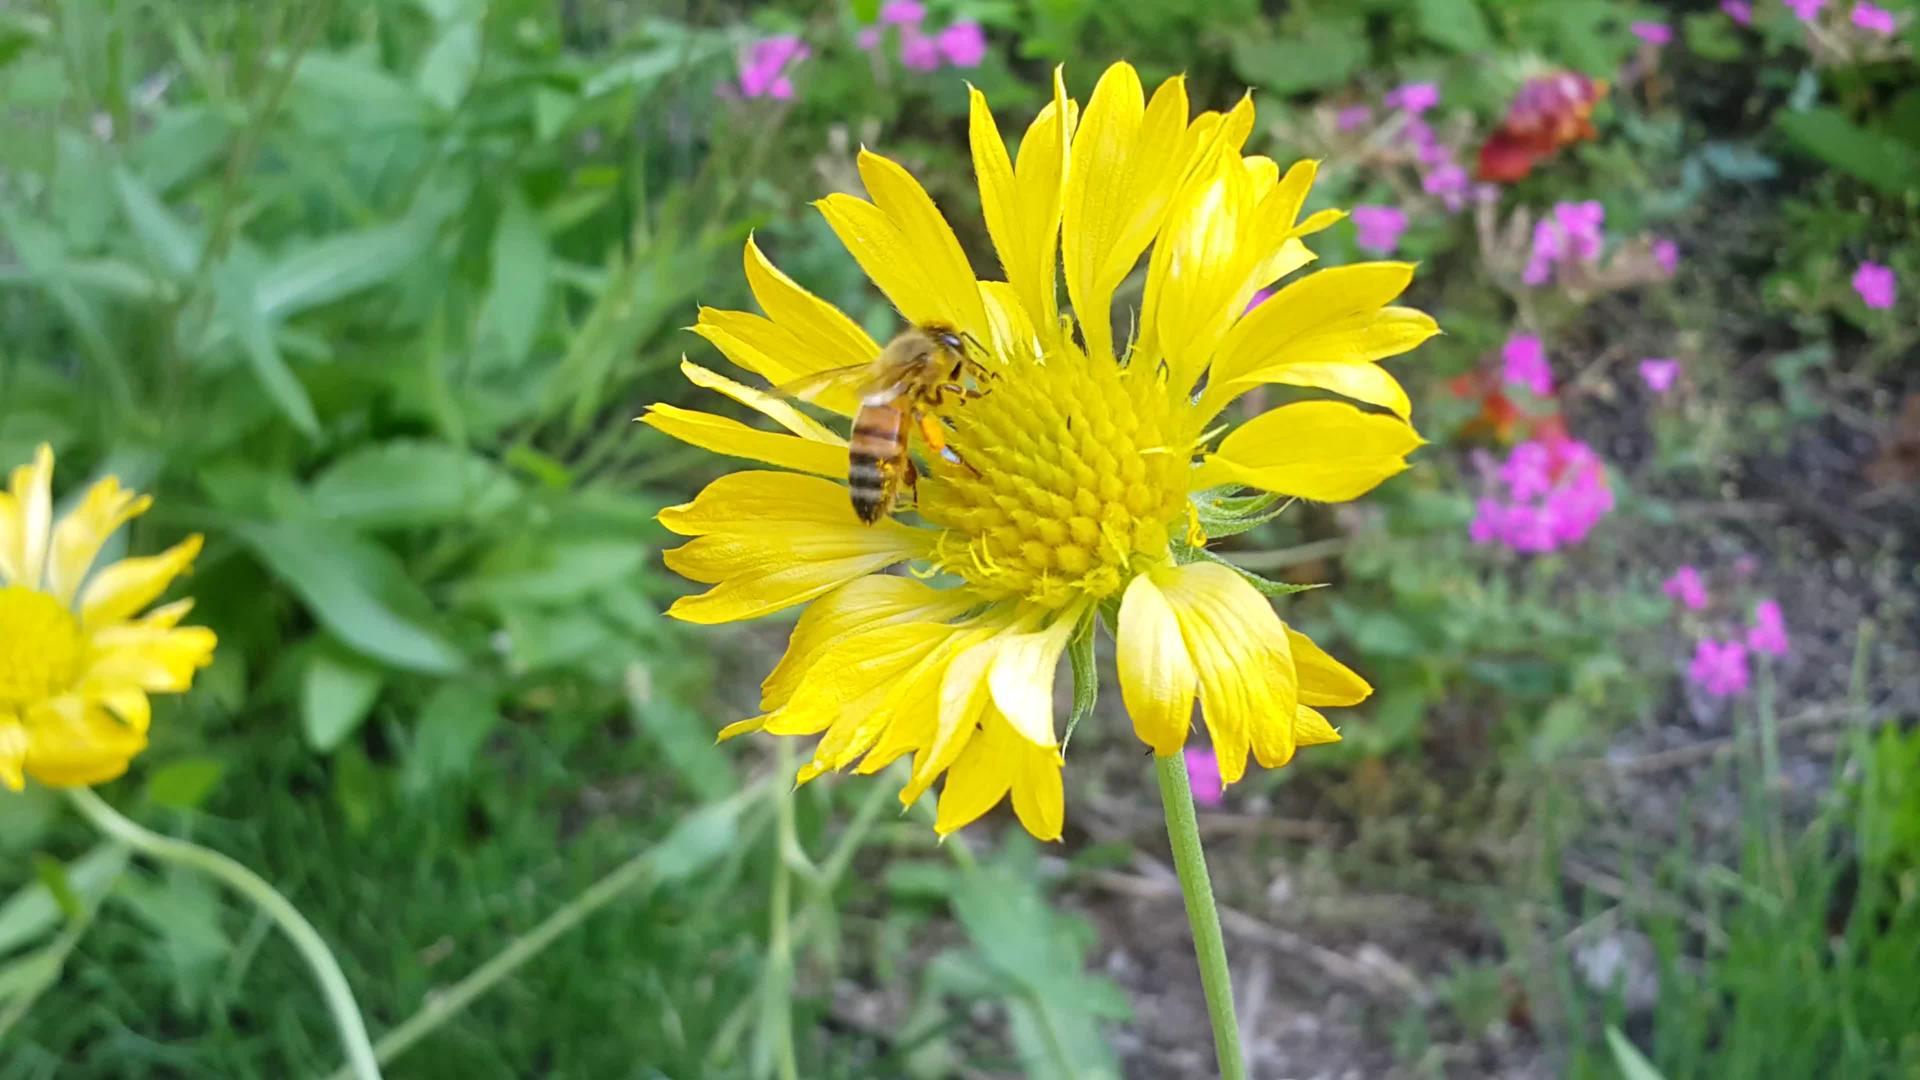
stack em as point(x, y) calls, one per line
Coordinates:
point(1378, 228)
point(1659, 374)
point(1739, 11)
point(1768, 634)
point(1652, 33)
point(763, 72)
point(1719, 667)
point(868, 38)
point(902, 12)
point(1687, 586)
point(964, 44)
point(1667, 254)
point(1523, 362)
point(1575, 232)
point(1449, 182)
point(1414, 98)
point(1555, 492)
point(1806, 10)
point(918, 52)
point(1877, 19)
point(1351, 117)
point(1203, 775)
point(1876, 285)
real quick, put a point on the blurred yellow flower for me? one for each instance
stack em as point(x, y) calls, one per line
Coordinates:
point(77, 657)
point(1086, 461)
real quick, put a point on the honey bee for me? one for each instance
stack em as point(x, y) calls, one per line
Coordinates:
point(914, 375)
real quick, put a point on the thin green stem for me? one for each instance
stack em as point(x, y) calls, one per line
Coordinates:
point(779, 984)
point(313, 948)
point(1209, 946)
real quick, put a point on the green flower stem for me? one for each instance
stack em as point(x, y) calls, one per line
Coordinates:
point(1176, 799)
point(313, 948)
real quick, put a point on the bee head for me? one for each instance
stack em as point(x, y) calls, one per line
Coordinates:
point(948, 339)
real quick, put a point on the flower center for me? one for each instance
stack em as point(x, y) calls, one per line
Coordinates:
point(1073, 470)
point(40, 646)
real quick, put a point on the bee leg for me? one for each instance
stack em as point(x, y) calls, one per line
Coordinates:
point(936, 436)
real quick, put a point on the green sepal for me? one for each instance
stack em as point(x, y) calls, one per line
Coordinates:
point(1086, 676)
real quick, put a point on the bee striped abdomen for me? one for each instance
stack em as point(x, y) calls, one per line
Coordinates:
point(876, 458)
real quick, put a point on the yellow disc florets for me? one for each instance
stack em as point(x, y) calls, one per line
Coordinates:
point(1074, 472)
point(40, 647)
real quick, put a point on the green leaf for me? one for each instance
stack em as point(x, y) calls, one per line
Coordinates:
point(1456, 24)
point(184, 784)
point(1877, 159)
point(168, 242)
point(31, 912)
point(403, 484)
point(517, 294)
point(1268, 588)
point(239, 309)
point(1328, 53)
point(1086, 675)
point(358, 591)
point(447, 71)
point(1633, 1064)
point(52, 874)
point(683, 735)
point(454, 724)
point(337, 691)
point(326, 270)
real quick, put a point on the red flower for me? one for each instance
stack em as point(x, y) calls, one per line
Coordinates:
point(1549, 112)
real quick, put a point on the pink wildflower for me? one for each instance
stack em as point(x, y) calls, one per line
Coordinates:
point(1659, 374)
point(763, 73)
point(1739, 11)
point(902, 12)
point(1653, 33)
point(1203, 775)
point(1351, 117)
point(1556, 492)
point(1719, 667)
point(868, 38)
point(1768, 634)
point(1450, 182)
point(918, 52)
point(1667, 254)
point(1573, 233)
point(1414, 98)
point(964, 44)
point(1806, 10)
point(1876, 285)
point(1524, 363)
point(1378, 228)
point(1687, 586)
point(1877, 19)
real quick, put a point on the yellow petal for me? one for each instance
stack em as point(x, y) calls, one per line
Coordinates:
point(978, 779)
point(13, 751)
point(774, 353)
point(914, 706)
point(1327, 301)
point(1022, 205)
point(864, 603)
point(1248, 689)
point(773, 408)
point(81, 532)
point(1320, 450)
point(158, 661)
point(79, 746)
point(118, 592)
point(852, 668)
point(906, 247)
point(1201, 274)
point(1038, 798)
point(1324, 680)
point(1125, 163)
point(1311, 729)
point(1334, 356)
point(826, 336)
point(1366, 382)
point(963, 701)
point(769, 540)
point(1157, 679)
point(1022, 678)
point(724, 435)
point(1291, 256)
point(26, 519)
point(1012, 332)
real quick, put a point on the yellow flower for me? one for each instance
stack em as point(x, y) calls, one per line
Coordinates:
point(77, 657)
point(1090, 464)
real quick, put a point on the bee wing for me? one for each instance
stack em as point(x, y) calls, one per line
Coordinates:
point(808, 387)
